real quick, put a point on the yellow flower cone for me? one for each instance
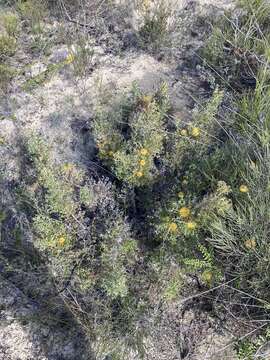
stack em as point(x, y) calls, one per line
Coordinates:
point(195, 132)
point(191, 225)
point(173, 227)
point(144, 152)
point(184, 212)
point(243, 189)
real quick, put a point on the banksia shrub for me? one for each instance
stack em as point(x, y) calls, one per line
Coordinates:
point(131, 140)
point(80, 230)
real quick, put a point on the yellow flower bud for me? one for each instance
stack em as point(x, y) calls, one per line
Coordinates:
point(184, 212)
point(183, 132)
point(173, 227)
point(243, 189)
point(144, 152)
point(142, 162)
point(139, 174)
point(250, 244)
point(191, 225)
point(195, 132)
point(207, 276)
point(61, 241)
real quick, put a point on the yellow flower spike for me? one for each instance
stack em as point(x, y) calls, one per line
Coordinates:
point(180, 194)
point(250, 244)
point(139, 174)
point(144, 152)
point(191, 225)
point(195, 132)
point(243, 189)
point(172, 227)
point(142, 162)
point(70, 58)
point(207, 276)
point(61, 241)
point(184, 212)
point(183, 132)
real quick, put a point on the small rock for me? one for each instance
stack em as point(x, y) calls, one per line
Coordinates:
point(36, 69)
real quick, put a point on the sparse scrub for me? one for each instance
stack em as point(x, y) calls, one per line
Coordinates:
point(32, 12)
point(80, 57)
point(238, 235)
point(155, 28)
point(185, 202)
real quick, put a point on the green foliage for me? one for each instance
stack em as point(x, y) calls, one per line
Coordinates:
point(248, 349)
point(235, 51)
point(85, 239)
point(33, 12)
point(11, 24)
point(236, 234)
point(208, 270)
point(174, 286)
point(154, 31)
point(182, 199)
point(115, 283)
point(6, 75)
point(131, 139)
point(80, 57)
point(8, 47)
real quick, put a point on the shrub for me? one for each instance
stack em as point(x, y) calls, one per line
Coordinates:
point(86, 240)
point(80, 57)
point(184, 200)
point(130, 141)
point(154, 31)
point(248, 349)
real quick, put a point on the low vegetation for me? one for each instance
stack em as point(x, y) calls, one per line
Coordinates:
point(171, 200)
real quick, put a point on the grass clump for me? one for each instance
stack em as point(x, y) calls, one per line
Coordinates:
point(237, 237)
point(32, 12)
point(11, 24)
point(8, 47)
point(6, 75)
point(239, 46)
